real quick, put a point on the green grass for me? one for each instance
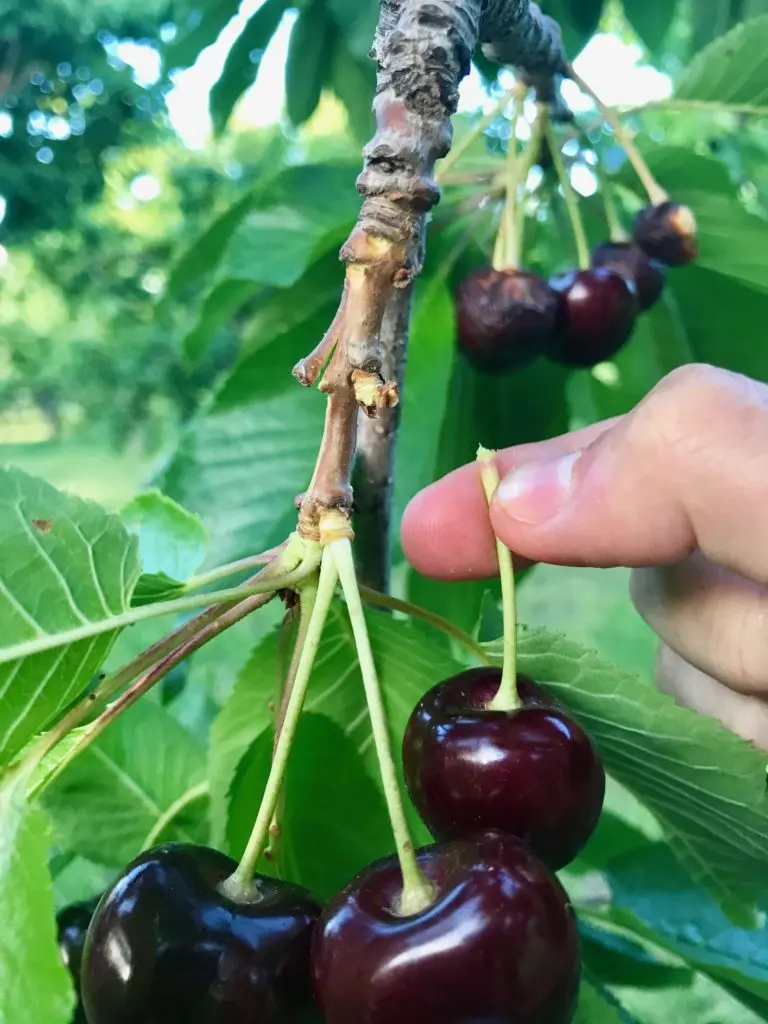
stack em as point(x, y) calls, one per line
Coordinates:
point(90, 470)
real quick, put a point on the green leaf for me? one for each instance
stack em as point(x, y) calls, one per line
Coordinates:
point(732, 69)
point(578, 19)
point(598, 1006)
point(64, 563)
point(240, 469)
point(650, 21)
point(244, 59)
point(651, 888)
point(354, 82)
point(335, 820)
point(215, 311)
point(172, 544)
point(34, 984)
point(356, 20)
point(79, 879)
point(276, 246)
point(183, 51)
point(310, 57)
point(107, 802)
point(705, 785)
point(409, 660)
point(722, 319)
point(426, 398)
point(732, 240)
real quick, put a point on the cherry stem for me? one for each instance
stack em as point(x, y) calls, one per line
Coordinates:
point(240, 885)
point(307, 599)
point(569, 193)
point(192, 795)
point(418, 893)
point(615, 227)
point(232, 568)
point(396, 604)
point(507, 697)
point(458, 151)
point(80, 711)
point(510, 249)
point(656, 193)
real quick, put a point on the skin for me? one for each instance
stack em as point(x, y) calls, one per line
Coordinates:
point(677, 490)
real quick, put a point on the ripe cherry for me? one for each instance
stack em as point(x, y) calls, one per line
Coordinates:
point(72, 927)
point(504, 318)
point(499, 945)
point(166, 946)
point(667, 232)
point(531, 773)
point(598, 309)
point(630, 261)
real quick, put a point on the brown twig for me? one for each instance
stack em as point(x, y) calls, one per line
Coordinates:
point(422, 49)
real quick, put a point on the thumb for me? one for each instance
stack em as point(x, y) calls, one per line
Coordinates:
point(687, 468)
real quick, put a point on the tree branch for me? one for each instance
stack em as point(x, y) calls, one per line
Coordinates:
point(423, 50)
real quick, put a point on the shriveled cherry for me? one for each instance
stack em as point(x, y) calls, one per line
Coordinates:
point(165, 945)
point(598, 309)
point(667, 232)
point(630, 261)
point(532, 772)
point(504, 318)
point(499, 945)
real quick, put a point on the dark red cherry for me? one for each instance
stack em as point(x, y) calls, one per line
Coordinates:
point(598, 309)
point(499, 945)
point(532, 772)
point(165, 946)
point(667, 232)
point(504, 318)
point(630, 261)
point(72, 927)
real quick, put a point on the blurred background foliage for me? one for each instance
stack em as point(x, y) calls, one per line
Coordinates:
point(176, 178)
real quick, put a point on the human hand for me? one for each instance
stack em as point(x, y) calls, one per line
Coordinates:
point(677, 490)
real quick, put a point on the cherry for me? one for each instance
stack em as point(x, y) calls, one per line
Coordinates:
point(532, 772)
point(72, 927)
point(504, 318)
point(667, 232)
point(645, 274)
point(499, 945)
point(597, 313)
point(166, 946)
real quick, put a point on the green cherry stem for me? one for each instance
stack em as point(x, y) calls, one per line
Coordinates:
point(506, 698)
point(615, 227)
point(308, 599)
point(192, 795)
point(458, 150)
point(239, 886)
point(656, 193)
point(107, 688)
point(569, 193)
point(418, 892)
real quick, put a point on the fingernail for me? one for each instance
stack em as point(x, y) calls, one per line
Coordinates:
point(537, 491)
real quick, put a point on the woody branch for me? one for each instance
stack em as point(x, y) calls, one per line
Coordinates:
point(422, 50)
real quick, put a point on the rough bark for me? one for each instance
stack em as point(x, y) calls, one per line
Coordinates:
point(422, 50)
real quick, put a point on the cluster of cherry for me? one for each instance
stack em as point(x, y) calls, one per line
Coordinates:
point(579, 318)
point(509, 795)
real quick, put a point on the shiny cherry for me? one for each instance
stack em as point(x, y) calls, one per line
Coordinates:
point(598, 310)
point(630, 261)
point(165, 946)
point(532, 772)
point(504, 317)
point(499, 945)
point(72, 927)
point(667, 232)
